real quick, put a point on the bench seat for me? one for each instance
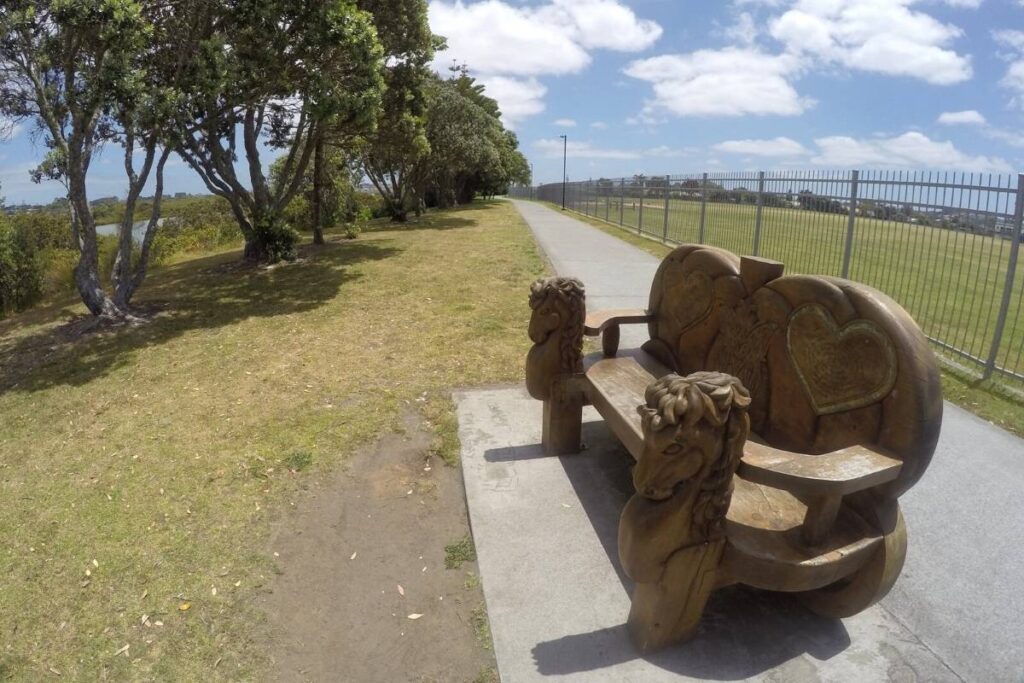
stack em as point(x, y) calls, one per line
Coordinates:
point(765, 545)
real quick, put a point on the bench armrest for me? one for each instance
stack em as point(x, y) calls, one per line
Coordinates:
point(840, 473)
point(607, 324)
point(822, 480)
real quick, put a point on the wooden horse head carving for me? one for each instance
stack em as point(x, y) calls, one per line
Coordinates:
point(695, 428)
point(556, 329)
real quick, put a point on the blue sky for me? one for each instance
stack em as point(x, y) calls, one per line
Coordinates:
point(660, 86)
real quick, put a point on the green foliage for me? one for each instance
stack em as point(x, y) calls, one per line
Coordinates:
point(299, 461)
point(279, 73)
point(338, 199)
point(392, 151)
point(21, 282)
point(458, 553)
point(199, 224)
point(470, 151)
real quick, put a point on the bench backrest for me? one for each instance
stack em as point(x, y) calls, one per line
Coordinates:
point(829, 363)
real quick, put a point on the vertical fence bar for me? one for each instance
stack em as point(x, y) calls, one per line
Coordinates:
point(760, 213)
point(851, 223)
point(607, 189)
point(640, 216)
point(703, 207)
point(1011, 271)
point(622, 202)
point(668, 186)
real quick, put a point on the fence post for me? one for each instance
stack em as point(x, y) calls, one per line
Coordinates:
point(760, 211)
point(851, 223)
point(640, 216)
point(622, 202)
point(607, 189)
point(668, 188)
point(703, 207)
point(1011, 272)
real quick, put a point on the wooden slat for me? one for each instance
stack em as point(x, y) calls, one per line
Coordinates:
point(616, 388)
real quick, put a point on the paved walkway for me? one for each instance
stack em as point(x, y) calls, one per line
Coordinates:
point(961, 595)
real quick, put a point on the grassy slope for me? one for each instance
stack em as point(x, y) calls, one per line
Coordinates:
point(951, 282)
point(989, 400)
point(141, 470)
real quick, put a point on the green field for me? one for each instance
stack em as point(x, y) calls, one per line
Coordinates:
point(950, 281)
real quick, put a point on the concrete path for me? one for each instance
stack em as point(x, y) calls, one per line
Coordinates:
point(545, 532)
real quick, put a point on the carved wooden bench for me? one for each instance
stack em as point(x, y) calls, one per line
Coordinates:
point(775, 422)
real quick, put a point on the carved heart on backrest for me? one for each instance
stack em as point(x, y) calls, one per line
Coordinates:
point(840, 368)
point(688, 296)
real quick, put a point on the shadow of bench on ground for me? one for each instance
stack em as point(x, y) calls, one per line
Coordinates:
point(744, 632)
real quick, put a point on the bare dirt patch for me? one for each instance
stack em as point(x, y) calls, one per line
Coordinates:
point(336, 610)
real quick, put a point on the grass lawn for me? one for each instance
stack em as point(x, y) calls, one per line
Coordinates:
point(951, 282)
point(142, 469)
point(989, 399)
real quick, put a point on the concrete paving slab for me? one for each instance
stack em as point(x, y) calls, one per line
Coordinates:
point(545, 532)
point(959, 593)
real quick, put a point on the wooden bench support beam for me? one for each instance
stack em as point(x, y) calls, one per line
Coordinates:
point(610, 341)
point(821, 516)
point(563, 422)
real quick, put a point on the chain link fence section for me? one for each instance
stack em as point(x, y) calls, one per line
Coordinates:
point(944, 245)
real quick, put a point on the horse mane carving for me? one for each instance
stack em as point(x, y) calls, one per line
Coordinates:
point(672, 533)
point(556, 329)
point(694, 428)
point(719, 401)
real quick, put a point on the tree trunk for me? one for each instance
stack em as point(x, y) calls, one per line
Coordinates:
point(318, 191)
point(87, 277)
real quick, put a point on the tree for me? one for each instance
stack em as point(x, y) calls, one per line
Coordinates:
point(81, 70)
point(274, 73)
point(333, 197)
point(470, 150)
point(391, 154)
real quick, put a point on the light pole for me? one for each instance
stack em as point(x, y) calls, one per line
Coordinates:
point(565, 167)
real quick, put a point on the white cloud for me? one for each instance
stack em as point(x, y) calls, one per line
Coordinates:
point(978, 122)
point(964, 4)
point(510, 45)
point(599, 125)
point(776, 147)
point(519, 98)
point(744, 31)
point(881, 36)
point(969, 117)
point(910, 150)
point(601, 24)
point(565, 123)
point(729, 82)
point(552, 149)
point(1013, 80)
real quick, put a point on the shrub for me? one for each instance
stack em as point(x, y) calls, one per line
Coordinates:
point(21, 283)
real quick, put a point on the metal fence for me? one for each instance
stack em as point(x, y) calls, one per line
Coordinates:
point(945, 245)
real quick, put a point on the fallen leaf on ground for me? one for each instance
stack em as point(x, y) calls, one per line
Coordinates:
point(123, 650)
point(401, 591)
point(185, 606)
point(354, 555)
point(415, 616)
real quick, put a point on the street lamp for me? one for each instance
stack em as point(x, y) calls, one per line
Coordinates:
point(565, 161)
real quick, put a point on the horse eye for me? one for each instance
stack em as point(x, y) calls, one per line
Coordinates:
point(674, 449)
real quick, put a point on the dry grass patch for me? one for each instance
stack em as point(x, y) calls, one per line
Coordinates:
point(141, 469)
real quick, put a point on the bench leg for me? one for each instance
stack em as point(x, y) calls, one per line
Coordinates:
point(668, 611)
point(563, 424)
